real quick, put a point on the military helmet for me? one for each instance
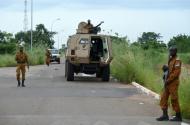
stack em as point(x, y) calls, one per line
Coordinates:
point(173, 48)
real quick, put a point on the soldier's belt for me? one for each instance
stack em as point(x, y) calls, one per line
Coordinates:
point(21, 62)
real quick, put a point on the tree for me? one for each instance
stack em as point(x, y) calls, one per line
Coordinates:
point(41, 36)
point(150, 40)
point(25, 36)
point(7, 43)
point(6, 37)
point(182, 42)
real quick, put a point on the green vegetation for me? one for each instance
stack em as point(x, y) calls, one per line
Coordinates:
point(41, 36)
point(36, 57)
point(185, 57)
point(182, 42)
point(7, 60)
point(151, 40)
point(134, 63)
point(7, 43)
point(42, 39)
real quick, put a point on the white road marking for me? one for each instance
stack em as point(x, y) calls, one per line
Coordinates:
point(184, 123)
point(101, 123)
point(141, 103)
point(93, 91)
point(147, 91)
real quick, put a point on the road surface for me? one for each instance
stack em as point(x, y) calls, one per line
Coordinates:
point(48, 99)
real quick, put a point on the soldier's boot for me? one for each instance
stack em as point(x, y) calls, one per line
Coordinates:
point(164, 117)
point(23, 83)
point(177, 118)
point(18, 83)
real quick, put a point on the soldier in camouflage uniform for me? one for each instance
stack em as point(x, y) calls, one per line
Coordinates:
point(89, 26)
point(21, 59)
point(171, 87)
point(48, 56)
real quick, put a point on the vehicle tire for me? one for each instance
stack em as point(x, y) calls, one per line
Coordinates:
point(58, 61)
point(98, 74)
point(66, 68)
point(70, 71)
point(106, 73)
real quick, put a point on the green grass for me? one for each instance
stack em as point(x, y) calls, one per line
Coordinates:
point(36, 57)
point(185, 57)
point(7, 60)
point(131, 63)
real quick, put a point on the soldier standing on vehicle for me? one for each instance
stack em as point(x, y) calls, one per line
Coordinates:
point(48, 56)
point(171, 87)
point(89, 26)
point(21, 59)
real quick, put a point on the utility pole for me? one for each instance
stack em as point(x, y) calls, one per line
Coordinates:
point(52, 25)
point(31, 31)
point(25, 16)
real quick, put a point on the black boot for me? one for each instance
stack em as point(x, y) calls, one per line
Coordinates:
point(164, 117)
point(18, 83)
point(23, 83)
point(177, 118)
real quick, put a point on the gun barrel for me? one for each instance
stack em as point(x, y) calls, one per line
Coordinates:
point(99, 24)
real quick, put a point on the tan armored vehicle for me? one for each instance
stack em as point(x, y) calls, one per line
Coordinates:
point(89, 53)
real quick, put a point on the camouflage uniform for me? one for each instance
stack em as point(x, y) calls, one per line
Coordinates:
point(48, 56)
point(171, 89)
point(21, 59)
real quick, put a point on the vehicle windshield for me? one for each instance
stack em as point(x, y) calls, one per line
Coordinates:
point(54, 51)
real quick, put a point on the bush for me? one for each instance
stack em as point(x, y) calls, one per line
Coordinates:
point(185, 57)
point(7, 48)
point(7, 60)
point(37, 56)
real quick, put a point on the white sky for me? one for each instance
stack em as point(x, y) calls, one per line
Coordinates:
point(127, 17)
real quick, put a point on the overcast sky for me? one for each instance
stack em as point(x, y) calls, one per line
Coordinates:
point(127, 17)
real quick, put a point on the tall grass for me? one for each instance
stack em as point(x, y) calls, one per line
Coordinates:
point(185, 57)
point(7, 60)
point(36, 57)
point(131, 63)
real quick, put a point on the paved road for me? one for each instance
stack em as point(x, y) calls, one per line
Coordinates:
point(49, 99)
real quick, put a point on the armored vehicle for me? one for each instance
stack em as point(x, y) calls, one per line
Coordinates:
point(88, 53)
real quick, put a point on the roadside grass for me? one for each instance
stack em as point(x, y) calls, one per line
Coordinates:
point(184, 92)
point(185, 57)
point(7, 60)
point(131, 63)
point(36, 57)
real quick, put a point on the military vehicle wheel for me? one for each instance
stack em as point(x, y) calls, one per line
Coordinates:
point(58, 61)
point(66, 63)
point(106, 73)
point(99, 74)
point(70, 71)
